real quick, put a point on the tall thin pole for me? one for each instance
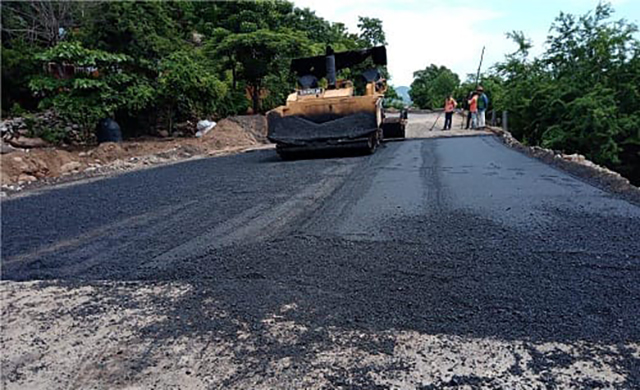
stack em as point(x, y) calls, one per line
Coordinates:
point(477, 82)
point(479, 67)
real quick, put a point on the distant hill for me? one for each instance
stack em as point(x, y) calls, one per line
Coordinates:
point(403, 92)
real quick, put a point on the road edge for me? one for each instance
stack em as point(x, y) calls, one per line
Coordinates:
point(55, 183)
point(576, 165)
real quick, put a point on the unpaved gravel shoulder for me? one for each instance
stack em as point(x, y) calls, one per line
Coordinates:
point(101, 335)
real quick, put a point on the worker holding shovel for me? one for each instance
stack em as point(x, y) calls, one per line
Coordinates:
point(449, 105)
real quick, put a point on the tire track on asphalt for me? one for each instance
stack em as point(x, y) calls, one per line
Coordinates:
point(259, 223)
point(386, 186)
point(95, 234)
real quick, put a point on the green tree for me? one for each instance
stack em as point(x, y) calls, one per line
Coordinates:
point(432, 85)
point(18, 66)
point(187, 87)
point(319, 30)
point(371, 31)
point(145, 31)
point(582, 95)
point(100, 85)
point(28, 28)
point(219, 49)
point(261, 53)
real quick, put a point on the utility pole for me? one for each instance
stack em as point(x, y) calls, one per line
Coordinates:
point(479, 67)
point(477, 81)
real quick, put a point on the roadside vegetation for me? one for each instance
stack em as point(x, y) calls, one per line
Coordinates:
point(582, 95)
point(153, 65)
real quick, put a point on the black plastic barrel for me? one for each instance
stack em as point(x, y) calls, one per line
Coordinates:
point(109, 131)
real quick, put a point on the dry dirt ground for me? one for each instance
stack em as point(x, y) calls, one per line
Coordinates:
point(430, 126)
point(46, 346)
point(24, 169)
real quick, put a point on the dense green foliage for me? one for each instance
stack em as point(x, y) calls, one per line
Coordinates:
point(153, 64)
point(372, 31)
point(392, 99)
point(262, 53)
point(583, 94)
point(186, 87)
point(432, 85)
point(97, 89)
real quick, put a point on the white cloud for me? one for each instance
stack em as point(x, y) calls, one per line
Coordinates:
point(418, 39)
point(451, 33)
point(420, 33)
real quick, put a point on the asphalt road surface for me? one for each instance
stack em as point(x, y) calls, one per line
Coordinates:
point(434, 263)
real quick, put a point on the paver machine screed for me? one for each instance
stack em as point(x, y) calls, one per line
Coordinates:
point(315, 118)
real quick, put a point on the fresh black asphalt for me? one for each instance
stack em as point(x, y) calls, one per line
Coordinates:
point(459, 236)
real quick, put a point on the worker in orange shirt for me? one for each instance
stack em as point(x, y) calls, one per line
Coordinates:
point(473, 109)
point(449, 106)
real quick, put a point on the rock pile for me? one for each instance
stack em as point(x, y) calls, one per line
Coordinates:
point(26, 131)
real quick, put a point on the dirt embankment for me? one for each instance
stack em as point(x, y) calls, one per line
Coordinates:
point(20, 168)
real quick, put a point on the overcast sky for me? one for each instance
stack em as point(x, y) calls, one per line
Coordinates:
point(453, 32)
